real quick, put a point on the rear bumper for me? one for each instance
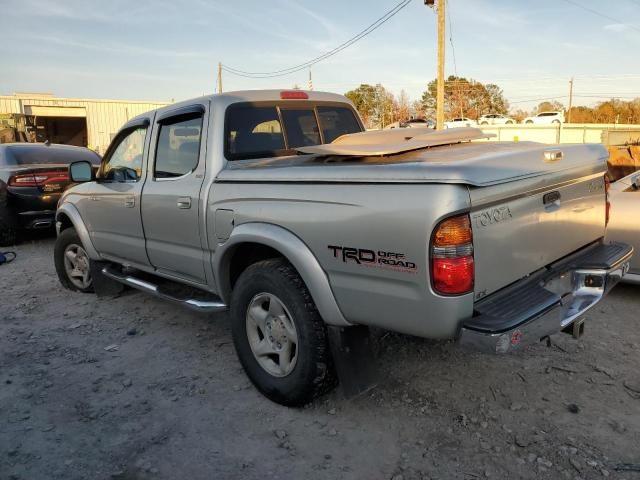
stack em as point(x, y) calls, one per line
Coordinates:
point(33, 208)
point(632, 278)
point(547, 301)
point(39, 219)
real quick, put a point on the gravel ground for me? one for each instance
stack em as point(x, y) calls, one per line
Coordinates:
point(135, 388)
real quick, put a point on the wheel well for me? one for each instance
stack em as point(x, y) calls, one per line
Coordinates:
point(247, 254)
point(65, 222)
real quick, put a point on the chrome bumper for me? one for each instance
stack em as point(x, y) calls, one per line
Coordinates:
point(546, 302)
point(632, 278)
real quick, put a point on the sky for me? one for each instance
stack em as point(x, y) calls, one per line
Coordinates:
point(169, 50)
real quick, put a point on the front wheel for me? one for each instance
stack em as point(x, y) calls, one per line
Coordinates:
point(279, 336)
point(73, 264)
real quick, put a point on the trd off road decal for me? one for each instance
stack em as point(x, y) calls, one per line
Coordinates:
point(372, 258)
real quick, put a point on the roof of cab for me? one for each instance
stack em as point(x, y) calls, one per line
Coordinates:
point(225, 99)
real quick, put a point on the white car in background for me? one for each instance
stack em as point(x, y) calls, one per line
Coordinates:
point(546, 118)
point(495, 119)
point(460, 122)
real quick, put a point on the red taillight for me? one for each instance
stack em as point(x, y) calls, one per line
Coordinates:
point(37, 179)
point(607, 185)
point(294, 95)
point(452, 269)
point(453, 276)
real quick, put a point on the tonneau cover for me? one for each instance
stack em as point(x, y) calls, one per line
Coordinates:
point(473, 163)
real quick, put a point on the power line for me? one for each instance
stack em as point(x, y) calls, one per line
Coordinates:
point(453, 50)
point(287, 71)
point(540, 99)
point(595, 12)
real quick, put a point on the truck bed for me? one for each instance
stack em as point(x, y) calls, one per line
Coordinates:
point(531, 204)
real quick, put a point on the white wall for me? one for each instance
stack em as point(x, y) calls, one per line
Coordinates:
point(565, 133)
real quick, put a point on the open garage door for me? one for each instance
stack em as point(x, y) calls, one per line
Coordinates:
point(66, 125)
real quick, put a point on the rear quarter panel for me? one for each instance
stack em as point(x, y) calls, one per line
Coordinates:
point(357, 231)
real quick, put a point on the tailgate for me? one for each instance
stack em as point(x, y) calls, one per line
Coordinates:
point(524, 225)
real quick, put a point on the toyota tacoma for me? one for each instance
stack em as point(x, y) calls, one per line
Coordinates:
point(279, 207)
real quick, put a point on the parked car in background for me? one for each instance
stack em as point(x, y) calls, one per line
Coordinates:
point(418, 123)
point(624, 197)
point(495, 119)
point(32, 177)
point(460, 122)
point(413, 123)
point(546, 118)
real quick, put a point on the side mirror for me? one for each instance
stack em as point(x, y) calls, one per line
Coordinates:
point(81, 171)
point(635, 181)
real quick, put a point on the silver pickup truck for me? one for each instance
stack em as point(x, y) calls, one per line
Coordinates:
point(278, 206)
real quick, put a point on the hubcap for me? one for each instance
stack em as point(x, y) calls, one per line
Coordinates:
point(272, 334)
point(76, 265)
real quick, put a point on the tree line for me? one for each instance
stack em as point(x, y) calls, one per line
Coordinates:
point(469, 98)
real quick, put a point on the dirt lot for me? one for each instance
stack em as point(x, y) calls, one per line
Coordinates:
point(135, 388)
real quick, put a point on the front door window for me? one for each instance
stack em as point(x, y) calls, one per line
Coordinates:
point(124, 164)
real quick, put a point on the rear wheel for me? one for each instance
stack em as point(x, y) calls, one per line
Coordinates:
point(73, 264)
point(9, 228)
point(279, 336)
point(529, 121)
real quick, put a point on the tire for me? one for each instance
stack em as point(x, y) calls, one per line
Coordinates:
point(529, 121)
point(9, 228)
point(267, 286)
point(556, 121)
point(484, 123)
point(69, 241)
point(509, 122)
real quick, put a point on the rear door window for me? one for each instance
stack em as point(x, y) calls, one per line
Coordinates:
point(178, 146)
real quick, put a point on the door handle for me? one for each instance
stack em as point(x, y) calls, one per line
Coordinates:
point(184, 202)
point(130, 202)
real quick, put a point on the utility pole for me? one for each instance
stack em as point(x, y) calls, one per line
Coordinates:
point(570, 100)
point(440, 91)
point(440, 81)
point(310, 81)
point(219, 77)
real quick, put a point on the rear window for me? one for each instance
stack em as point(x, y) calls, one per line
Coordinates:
point(255, 131)
point(301, 127)
point(337, 121)
point(24, 154)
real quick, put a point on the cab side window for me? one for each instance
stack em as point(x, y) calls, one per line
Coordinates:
point(178, 148)
point(125, 162)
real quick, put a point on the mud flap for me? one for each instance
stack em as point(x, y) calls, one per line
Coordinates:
point(103, 286)
point(353, 359)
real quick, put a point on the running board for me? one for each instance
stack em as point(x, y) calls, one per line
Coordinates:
point(212, 304)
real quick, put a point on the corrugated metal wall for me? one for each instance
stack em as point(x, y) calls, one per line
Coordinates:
point(104, 117)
